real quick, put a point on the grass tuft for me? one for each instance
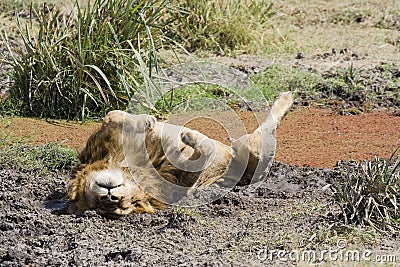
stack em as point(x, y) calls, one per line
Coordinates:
point(50, 157)
point(222, 26)
point(368, 193)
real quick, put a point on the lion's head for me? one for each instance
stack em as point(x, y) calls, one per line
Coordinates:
point(111, 191)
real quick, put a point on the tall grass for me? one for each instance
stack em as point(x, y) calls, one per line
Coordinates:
point(87, 62)
point(221, 26)
point(102, 55)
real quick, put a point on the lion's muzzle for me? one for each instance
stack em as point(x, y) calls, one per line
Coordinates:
point(110, 200)
point(109, 188)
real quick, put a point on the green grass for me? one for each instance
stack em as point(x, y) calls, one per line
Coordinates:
point(371, 86)
point(210, 97)
point(37, 159)
point(9, 107)
point(321, 89)
point(189, 97)
point(82, 65)
point(264, 87)
point(278, 78)
point(222, 26)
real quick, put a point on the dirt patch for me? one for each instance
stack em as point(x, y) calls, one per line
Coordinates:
point(321, 137)
point(39, 132)
point(312, 137)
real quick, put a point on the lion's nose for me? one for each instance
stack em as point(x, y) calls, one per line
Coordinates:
point(109, 198)
point(108, 185)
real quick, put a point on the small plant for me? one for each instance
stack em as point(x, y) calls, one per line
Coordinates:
point(343, 83)
point(368, 193)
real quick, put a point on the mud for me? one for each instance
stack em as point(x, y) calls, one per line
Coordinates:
point(291, 210)
point(35, 229)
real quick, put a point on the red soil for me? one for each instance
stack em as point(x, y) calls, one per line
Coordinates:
point(314, 137)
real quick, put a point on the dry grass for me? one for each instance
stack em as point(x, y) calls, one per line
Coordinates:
point(314, 26)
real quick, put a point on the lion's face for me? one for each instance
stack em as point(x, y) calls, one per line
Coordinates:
point(112, 192)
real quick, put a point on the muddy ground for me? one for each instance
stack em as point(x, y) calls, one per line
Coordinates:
point(291, 211)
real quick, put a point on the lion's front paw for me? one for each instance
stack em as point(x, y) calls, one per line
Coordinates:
point(188, 138)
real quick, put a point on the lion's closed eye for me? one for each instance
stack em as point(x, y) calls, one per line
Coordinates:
point(142, 206)
point(136, 203)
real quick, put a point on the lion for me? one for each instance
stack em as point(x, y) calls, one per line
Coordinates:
point(135, 164)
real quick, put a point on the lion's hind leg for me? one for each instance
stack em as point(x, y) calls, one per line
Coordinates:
point(255, 152)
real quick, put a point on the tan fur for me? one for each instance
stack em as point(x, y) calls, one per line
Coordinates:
point(136, 201)
point(134, 163)
point(255, 151)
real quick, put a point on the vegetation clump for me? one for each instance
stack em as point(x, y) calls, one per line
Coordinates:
point(368, 193)
point(50, 157)
point(221, 26)
point(102, 56)
point(88, 61)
